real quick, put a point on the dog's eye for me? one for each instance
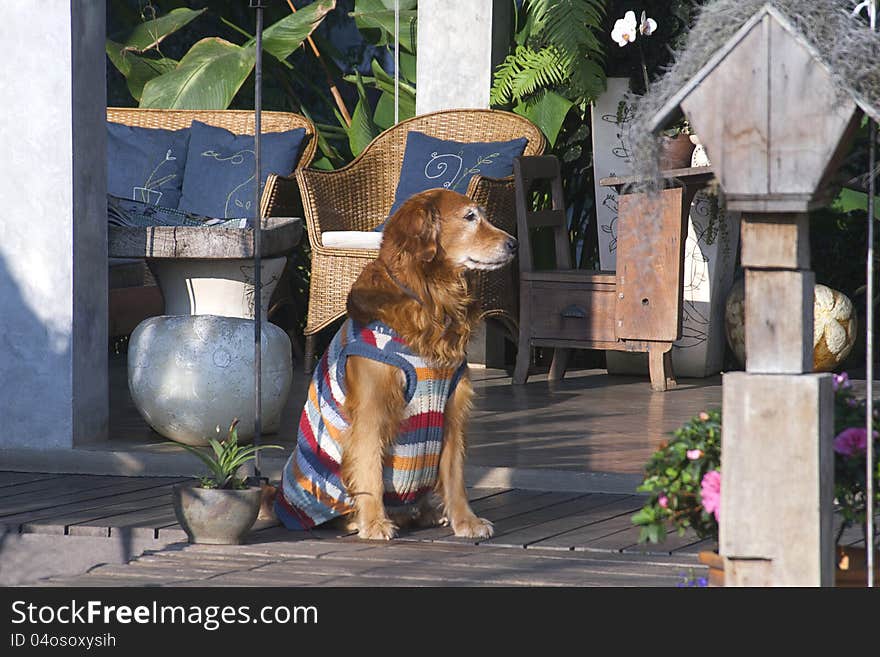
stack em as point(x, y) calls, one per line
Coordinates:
point(471, 216)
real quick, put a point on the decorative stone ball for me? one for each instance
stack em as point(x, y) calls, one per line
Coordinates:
point(834, 326)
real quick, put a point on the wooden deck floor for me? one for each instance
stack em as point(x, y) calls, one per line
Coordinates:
point(542, 538)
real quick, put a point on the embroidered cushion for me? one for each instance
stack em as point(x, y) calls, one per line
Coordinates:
point(219, 177)
point(146, 164)
point(429, 162)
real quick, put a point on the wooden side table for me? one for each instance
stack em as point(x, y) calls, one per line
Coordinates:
point(649, 282)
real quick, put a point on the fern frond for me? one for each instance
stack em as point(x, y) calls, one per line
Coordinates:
point(570, 25)
point(525, 71)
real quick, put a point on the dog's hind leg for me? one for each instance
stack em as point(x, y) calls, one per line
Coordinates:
point(375, 403)
point(451, 482)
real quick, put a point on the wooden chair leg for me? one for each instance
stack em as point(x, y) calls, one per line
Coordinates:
point(523, 356)
point(660, 366)
point(559, 364)
point(309, 356)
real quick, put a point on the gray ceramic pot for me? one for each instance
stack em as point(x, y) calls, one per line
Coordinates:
point(218, 517)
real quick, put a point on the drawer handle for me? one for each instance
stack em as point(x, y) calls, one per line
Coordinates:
point(574, 312)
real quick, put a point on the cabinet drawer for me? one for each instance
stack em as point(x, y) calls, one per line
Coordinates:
point(573, 311)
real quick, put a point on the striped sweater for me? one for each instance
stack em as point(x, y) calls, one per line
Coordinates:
point(312, 491)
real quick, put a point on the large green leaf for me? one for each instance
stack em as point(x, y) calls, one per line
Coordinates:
point(375, 14)
point(208, 77)
point(850, 200)
point(547, 112)
point(362, 130)
point(282, 38)
point(150, 33)
point(144, 69)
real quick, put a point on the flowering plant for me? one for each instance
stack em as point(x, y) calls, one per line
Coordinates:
point(683, 479)
point(626, 31)
point(850, 446)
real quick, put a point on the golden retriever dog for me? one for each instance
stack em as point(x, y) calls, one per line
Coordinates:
point(382, 438)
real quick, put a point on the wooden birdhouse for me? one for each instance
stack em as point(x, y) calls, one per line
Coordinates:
point(770, 116)
point(775, 122)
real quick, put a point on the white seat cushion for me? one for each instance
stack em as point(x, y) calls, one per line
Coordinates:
point(352, 239)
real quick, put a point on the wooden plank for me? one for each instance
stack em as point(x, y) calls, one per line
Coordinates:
point(579, 539)
point(805, 137)
point(62, 484)
point(143, 522)
point(493, 508)
point(594, 507)
point(280, 235)
point(690, 175)
point(649, 266)
point(17, 478)
point(62, 518)
point(76, 489)
point(93, 508)
point(729, 110)
point(779, 321)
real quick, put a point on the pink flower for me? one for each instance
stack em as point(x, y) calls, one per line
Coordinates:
point(663, 501)
point(851, 442)
point(704, 416)
point(841, 382)
point(694, 454)
point(710, 492)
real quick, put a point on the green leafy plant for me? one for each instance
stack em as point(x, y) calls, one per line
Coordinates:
point(850, 446)
point(211, 73)
point(228, 456)
point(676, 479)
point(555, 65)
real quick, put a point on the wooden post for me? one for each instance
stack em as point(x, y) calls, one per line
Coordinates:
point(777, 473)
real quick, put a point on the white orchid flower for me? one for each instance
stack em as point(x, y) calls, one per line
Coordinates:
point(625, 29)
point(647, 25)
point(871, 7)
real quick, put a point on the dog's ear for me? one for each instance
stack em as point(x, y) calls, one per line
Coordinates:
point(415, 228)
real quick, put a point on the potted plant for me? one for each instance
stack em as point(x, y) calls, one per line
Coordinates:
point(683, 479)
point(219, 508)
point(676, 146)
point(850, 481)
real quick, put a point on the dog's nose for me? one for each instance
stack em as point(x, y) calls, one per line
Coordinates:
point(512, 245)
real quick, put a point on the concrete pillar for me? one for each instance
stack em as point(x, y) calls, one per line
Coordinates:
point(460, 42)
point(53, 235)
point(777, 475)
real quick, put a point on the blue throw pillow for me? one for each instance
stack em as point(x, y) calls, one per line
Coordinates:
point(219, 176)
point(146, 164)
point(429, 162)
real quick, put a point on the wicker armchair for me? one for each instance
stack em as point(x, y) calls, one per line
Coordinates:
point(359, 196)
point(280, 198)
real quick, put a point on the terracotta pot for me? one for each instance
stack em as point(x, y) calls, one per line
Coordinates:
point(214, 516)
point(716, 567)
point(849, 570)
point(675, 152)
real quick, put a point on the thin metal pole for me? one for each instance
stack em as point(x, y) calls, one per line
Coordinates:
point(396, 62)
point(258, 239)
point(869, 367)
point(869, 451)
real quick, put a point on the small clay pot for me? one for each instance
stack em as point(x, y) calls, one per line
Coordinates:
point(215, 516)
point(675, 152)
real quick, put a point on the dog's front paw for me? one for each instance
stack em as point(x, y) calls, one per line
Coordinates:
point(378, 529)
point(473, 527)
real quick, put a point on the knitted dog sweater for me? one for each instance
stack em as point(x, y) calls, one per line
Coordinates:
point(312, 491)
